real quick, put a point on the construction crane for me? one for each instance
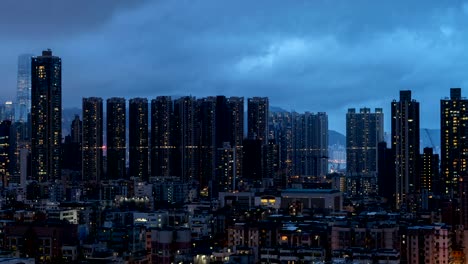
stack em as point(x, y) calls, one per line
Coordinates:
point(430, 139)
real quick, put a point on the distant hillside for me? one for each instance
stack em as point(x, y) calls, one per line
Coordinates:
point(276, 109)
point(337, 138)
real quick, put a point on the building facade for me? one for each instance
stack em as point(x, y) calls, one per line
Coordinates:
point(257, 118)
point(116, 138)
point(364, 131)
point(405, 147)
point(23, 92)
point(162, 136)
point(92, 139)
point(46, 116)
point(138, 138)
point(454, 143)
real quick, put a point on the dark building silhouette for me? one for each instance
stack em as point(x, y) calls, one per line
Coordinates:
point(223, 121)
point(138, 138)
point(72, 152)
point(463, 185)
point(252, 160)
point(225, 180)
point(364, 130)
point(46, 116)
point(310, 144)
point(235, 115)
point(405, 147)
point(454, 141)
point(207, 125)
point(76, 130)
point(116, 138)
point(21, 147)
point(92, 139)
point(257, 118)
point(6, 152)
point(162, 137)
point(429, 170)
point(386, 172)
point(271, 161)
point(281, 129)
point(186, 138)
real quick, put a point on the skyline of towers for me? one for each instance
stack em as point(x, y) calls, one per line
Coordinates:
point(23, 90)
point(92, 139)
point(138, 138)
point(46, 116)
point(116, 123)
point(453, 141)
point(405, 147)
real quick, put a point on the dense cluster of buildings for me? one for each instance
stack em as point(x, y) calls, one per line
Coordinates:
point(184, 180)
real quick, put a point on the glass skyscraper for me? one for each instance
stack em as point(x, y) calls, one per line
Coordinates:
point(23, 92)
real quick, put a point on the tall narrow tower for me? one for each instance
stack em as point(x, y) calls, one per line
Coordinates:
point(257, 118)
point(186, 139)
point(138, 138)
point(92, 139)
point(405, 146)
point(116, 138)
point(162, 137)
point(364, 131)
point(23, 92)
point(454, 140)
point(46, 116)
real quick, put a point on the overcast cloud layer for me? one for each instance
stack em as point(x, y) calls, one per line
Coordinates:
point(313, 56)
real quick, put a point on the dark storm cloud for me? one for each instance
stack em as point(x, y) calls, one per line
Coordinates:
point(305, 55)
point(27, 19)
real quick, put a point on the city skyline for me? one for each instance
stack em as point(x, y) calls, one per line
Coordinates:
point(347, 55)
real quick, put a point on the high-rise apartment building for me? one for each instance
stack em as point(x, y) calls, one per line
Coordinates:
point(116, 138)
point(23, 92)
point(71, 148)
point(7, 111)
point(257, 118)
point(429, 171)
point(138, 138)
point(405, 147)
point(386, 172)
point(46, 116)
point(454, 140)
point(207, 130)
point(281, 128)
point(186, 139)
point(92, 139)
point(162, 137)
point(310, 144)
point(364, 131)
point(76, 130)
point(235, 107)
point(6, 152)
